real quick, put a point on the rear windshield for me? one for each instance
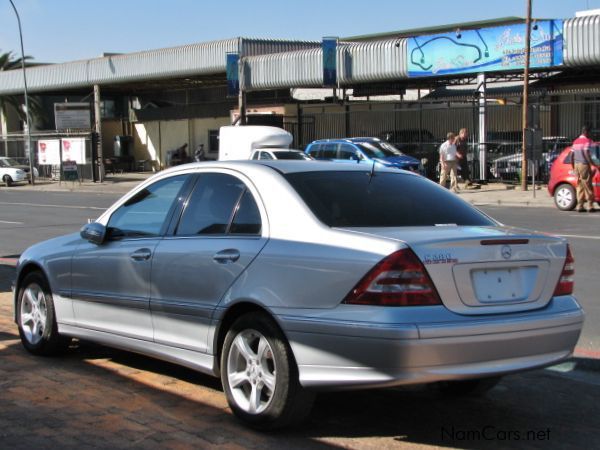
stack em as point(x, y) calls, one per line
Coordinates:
point(356, 199)
point(289, 155)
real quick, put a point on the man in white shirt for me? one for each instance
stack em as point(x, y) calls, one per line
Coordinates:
point(448, 162)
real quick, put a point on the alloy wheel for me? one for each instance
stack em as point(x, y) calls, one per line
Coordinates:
point(251, 371)
point(33, 318)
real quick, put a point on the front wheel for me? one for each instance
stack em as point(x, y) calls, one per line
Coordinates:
point(8, 180)
point(259, 375)
point(564, 197)
point(36, 317)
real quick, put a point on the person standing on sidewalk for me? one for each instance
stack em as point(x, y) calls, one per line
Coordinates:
point(462, 150)
point(582, 163)
point(448, 162)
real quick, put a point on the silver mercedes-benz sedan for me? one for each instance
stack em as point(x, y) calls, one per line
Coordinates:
point(287, 277)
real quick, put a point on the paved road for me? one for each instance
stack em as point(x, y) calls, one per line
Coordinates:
point(27, 217)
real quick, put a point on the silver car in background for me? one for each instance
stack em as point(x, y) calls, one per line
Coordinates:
point(286, 277)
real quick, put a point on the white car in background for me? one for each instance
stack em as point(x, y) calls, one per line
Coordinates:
point(11, 171)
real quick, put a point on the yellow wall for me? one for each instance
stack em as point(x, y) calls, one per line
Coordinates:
point(152, 140)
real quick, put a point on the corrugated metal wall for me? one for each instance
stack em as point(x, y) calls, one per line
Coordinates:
point(196, 59)
point(298, 69)
point(357, 63)
point(582, 41)
point(372, 61)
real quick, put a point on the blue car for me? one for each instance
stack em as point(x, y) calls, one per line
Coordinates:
point(365, 150)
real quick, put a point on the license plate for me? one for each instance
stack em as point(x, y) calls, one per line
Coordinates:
point(503, 285)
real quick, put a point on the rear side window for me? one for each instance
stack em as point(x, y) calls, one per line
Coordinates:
point(315, 151)
point(211, 206)
point(356, 199)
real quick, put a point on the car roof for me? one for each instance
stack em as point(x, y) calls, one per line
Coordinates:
point(282, 166)
point(354, 140)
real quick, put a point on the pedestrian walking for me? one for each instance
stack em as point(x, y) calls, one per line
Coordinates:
point(582, 163)
point(462, 151)
point(448, 162)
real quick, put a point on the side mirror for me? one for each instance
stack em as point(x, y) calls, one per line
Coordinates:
point(93, 232)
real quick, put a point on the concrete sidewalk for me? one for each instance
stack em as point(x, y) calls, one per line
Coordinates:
point(490, 194)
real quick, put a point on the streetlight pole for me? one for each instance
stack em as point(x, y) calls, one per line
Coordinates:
point(525, 98)
point(31, 153)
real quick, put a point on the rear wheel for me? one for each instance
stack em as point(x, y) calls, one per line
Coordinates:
point(259, 374)
point(479, 386)
point(36, 317)
point(8, 180)
point(564, 197)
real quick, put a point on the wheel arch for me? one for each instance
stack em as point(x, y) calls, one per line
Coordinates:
point(229, 317)
point(28, 268)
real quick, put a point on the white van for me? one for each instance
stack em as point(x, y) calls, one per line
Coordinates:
point(240, 142)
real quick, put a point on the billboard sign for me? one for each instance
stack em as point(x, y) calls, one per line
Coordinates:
point(72, 116)
point(49, 152)
point(485, 50)
point(329, 46)
point(73, 149)
point(233, 74)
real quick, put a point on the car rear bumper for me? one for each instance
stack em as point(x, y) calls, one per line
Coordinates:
point(351, 355)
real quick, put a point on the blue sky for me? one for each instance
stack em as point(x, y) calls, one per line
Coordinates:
point(67, 30)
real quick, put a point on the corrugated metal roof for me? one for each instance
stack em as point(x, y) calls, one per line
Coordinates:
point(357, 63)
point(195, 59)
point(372, 61)
point(582, 41)
point(438, 29)
point(294, 69)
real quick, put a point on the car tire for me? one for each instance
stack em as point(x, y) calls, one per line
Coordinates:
point(36, 317)
point(565, 198)
point(259, 375)
point(8, 181)
point(473, 388)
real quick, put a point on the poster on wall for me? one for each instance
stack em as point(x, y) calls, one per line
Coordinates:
point(485, 50)
point(49, 152)
point(73, 149)
point(72, 116)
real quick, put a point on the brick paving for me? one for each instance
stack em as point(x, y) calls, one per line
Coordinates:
point(96, 397)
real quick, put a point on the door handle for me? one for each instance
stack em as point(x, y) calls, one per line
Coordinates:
point(227, 256)
point(143, 254)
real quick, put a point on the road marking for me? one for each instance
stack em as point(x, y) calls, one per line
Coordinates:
point(12, 223)
point(54, 206)
point(578, 236)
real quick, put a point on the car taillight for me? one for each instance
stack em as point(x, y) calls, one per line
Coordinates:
point(400, 279)
point(566, 281)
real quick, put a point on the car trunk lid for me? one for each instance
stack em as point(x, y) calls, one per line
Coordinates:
point(484, 270)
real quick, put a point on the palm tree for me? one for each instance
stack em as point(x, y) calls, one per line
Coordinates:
point(9, 62)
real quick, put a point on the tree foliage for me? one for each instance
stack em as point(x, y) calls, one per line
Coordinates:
point(9, 62)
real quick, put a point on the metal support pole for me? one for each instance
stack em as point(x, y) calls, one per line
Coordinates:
point(242, 93)
point(482, 130)
point(525, 97)
point(98, 129)
point(30, 151)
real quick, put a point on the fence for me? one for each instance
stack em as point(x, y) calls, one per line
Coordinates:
point(418, 129)
point(15, 146)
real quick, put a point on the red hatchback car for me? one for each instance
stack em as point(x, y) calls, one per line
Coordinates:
point(563, 182)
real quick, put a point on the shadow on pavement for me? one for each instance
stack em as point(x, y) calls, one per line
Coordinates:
point(7, 275)
point(530, 410)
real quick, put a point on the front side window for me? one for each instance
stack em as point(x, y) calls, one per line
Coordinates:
point(145, 213)
point(211, 206)
point(384, 199)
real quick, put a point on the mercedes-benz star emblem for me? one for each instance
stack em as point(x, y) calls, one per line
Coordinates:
point(506, 252)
